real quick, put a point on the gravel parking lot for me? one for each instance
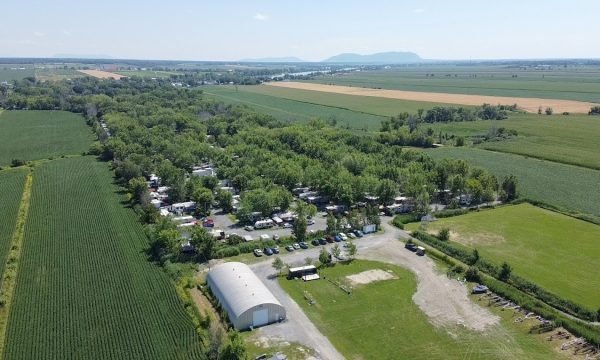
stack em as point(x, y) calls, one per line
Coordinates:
point(443, 300)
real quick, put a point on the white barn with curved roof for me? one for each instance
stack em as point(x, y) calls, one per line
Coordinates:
point(246, 299)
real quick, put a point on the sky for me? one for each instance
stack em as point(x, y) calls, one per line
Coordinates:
point(229, 30)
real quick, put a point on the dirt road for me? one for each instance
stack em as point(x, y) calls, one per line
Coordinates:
point(443, 300)
point(527, 104)
point(102, 74)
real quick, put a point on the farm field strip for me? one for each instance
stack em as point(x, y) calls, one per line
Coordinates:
point(83, 270)
point(380, 321)
point(102, 74)
point(12, 183)
point(528, 104)
point(33, 135)
point(295, 110)
point(579, 83)
point(11, 269)
point(558, 252)
point(572, 187)
point(363, 104)
point(566, 139)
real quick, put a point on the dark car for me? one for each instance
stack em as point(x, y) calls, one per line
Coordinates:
point(358, 233)
point(411, 246)
point(268, 251)
point(315, 242)
point(304, 245)
point(337, 238)
point(329, 238)
point(322, 241)
point(275, 249)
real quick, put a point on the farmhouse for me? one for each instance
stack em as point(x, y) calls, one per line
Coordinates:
point(247, 301)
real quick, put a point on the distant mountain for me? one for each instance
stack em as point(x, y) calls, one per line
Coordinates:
point(393, 57)
point(289, 59)
point(82, 56)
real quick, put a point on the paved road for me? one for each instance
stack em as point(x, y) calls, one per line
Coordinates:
point(443, 300)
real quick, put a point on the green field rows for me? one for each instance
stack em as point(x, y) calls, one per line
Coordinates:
point(33, 135)
point(380, 321)
point(293, 110)
point(8, 75)
point(575, 83)
point(571, 187)
point(85, 289)
point(567, 139)
point(11, 191)
point(558, 252)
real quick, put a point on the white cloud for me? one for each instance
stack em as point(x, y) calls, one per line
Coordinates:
point(39, 34)
point(419, 11)
point(67, 33)
point(261, 17)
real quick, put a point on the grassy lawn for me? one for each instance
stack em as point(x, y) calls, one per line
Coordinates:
point(574, 83)
point(571, 187)
point(567, 139)
point(8, 74)
point(380, 321)
point(560, 253)
point(33, 135)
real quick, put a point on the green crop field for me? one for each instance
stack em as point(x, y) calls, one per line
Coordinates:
point(380, 321)
point(85, 289)
point(10, 73)
point(573, 83)
point(364, 104)
point(11, 191)
point(293, 110)
point(558, 252)
point(147, 73)
point(56, 74)
point(567, 139)
point(32, 135)
point(567, 186)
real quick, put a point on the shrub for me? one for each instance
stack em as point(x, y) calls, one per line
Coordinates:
point(444, 234)
point(450, 212)
point(549, 111)
point(17, 162)
point(472, 274)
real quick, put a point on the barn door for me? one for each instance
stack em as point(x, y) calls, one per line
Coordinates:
point(260, 317)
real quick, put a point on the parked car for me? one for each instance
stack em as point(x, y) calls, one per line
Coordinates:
point(287, 226)
point(296, 246)
point(343, 236)
point(411, 246)
point(268, 251)
point(289, 248)
point(358, 233)
point(275, 237)
point(322, 241)
point(304, 245)
point(248, 228)
point(310, 222)
point(337, 238)
point(315, 242)
point(258, 252)
point(329, 238)
point(275, 249)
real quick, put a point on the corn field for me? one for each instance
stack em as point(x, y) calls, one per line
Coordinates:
point(85, 289)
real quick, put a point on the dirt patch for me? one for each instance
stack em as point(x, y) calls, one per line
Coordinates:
point(370, 276)
point(102, 74)
point(527, 104)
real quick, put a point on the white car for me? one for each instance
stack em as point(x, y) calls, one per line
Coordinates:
point(287, 226)
point(343, 236)
point(351, 235)
point(296, 246)
point(310, 222)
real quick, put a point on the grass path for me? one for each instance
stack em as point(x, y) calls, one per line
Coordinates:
point(9, 276)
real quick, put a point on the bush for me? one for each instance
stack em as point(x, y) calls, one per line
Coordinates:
point(450, 212)
point(227, 252)
point(17, 162)
point(444, 234)
point(472, 274)
point(549, 111)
